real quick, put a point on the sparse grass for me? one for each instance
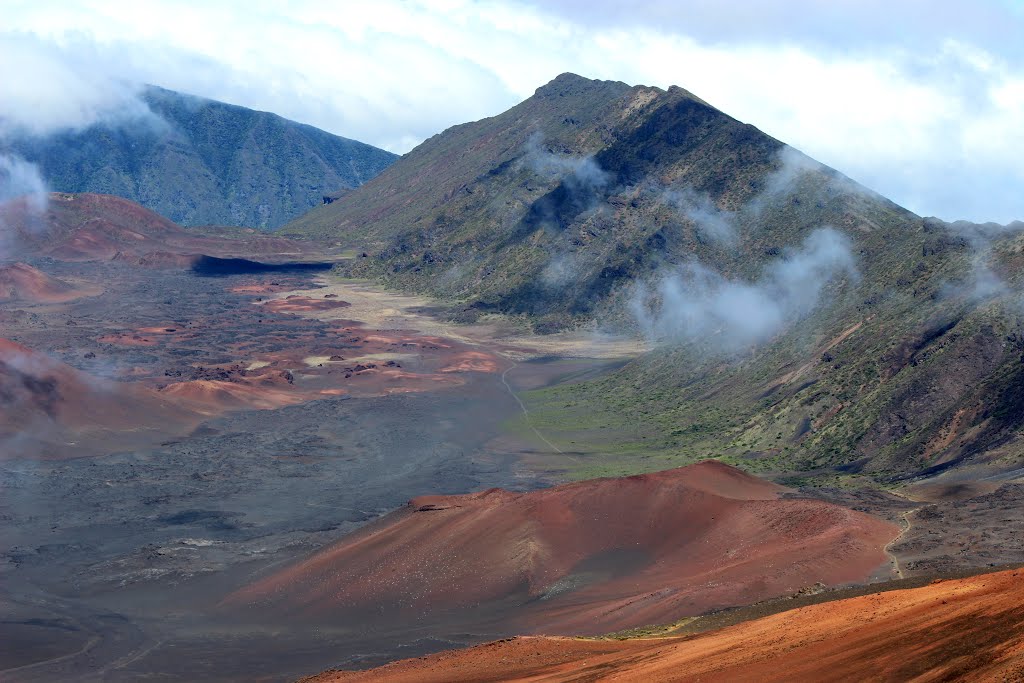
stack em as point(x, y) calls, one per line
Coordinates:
point(653, 631)
point(857, 388)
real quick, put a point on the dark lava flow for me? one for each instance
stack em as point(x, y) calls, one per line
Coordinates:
point(112, 565)
point(213, 266)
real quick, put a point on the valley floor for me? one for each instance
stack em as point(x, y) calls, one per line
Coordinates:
point(312, 406)
point(114, 562)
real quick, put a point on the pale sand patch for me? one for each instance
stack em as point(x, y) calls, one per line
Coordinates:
point(313, 361)
point(257, 364)
point(383, 310)
point(383, 356)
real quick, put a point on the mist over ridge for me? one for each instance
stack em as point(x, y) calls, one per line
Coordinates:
point(196, 161)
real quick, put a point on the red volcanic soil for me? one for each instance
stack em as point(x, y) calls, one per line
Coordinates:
point(963, 629)
point(303, 304)
point(238, 390)
point(587, 557)
point(142, 336)
point(48, 408)
point(321, 361)
point(22, 282)
point(86, 227)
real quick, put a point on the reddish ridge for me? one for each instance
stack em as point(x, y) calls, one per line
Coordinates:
point(587, 557)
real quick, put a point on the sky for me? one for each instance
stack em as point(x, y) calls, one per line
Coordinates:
point(920, 100)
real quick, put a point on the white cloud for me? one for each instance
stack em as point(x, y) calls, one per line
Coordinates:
point(43, 91)
point(20, 179)
point(920, 103)
point(692, 303)
point(20, 183)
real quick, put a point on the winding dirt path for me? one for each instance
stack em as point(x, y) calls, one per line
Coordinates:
point(904, 528)
point(526, 412)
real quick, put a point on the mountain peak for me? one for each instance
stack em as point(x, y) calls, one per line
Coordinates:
point(573, 84)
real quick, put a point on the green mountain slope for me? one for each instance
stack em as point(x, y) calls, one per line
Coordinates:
point(894, 383)
point(804, 322)
point(207, 162)
point(556, 206)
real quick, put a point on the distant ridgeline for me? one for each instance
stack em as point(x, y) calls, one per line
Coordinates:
point(202, 162)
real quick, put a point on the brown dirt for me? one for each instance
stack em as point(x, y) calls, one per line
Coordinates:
point(303, 304)
point(126, 339)
point(266, 344)
point(259, 288)
point(48, 406)
point(214, 397)
point(586, 557)
point(472, 361)
point(21, 282)
point(962, 629)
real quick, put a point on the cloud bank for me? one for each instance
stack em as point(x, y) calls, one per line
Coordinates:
point(52, 90)
point(711, 222)
point(20, 179)
point(580, 174)
point(694, 304)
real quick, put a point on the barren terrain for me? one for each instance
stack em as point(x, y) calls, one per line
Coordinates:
point(195, 421)
point(588, 557)
point(286, 410)
point(174, 432)
point(957, 629)
point(209, 446)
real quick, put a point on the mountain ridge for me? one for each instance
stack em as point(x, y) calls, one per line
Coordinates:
point(807, 323)
point(597, 175)
point(198, 161)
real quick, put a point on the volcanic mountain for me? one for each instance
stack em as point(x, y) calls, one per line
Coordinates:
point(49, 408)
point(199, 161)
point(86, 227)
point(957, 629)
point(803, 321)
point(587, 557)
point(22, 282)
point(556, 206)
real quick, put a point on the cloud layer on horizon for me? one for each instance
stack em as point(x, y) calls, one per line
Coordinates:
point(924, 107)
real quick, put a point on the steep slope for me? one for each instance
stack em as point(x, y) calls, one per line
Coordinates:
point(917, 372)
point(557, 206)
point(805, 322)
point(964, 629)
point(206, 162)
point(580, 558)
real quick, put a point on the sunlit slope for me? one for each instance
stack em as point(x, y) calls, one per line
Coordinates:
point(586, 557)
point(963, 629)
